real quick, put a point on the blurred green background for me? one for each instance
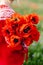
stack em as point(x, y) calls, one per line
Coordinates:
point(36, 49)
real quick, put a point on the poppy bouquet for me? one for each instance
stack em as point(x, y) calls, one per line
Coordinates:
point(19, 32)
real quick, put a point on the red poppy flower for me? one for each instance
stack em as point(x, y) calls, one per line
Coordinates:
point(22, 20)
point(16, 19)
point(7, 31)
point(35, 33)
point(14, 40)
point(33, 18)
point(24, 30)
point(28, 41)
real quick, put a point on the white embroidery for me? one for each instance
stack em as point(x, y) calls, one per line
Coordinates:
point(5, 12)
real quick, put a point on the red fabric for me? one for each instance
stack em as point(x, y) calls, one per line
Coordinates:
point(10, 57)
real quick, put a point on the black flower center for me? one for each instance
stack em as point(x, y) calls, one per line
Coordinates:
point(15, 19)
point(33, 19)
point(15, 40)
point(26, 30)
point(8, 31)
point(13, 26)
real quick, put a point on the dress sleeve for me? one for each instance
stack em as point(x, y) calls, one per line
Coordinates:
point(5, 12)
